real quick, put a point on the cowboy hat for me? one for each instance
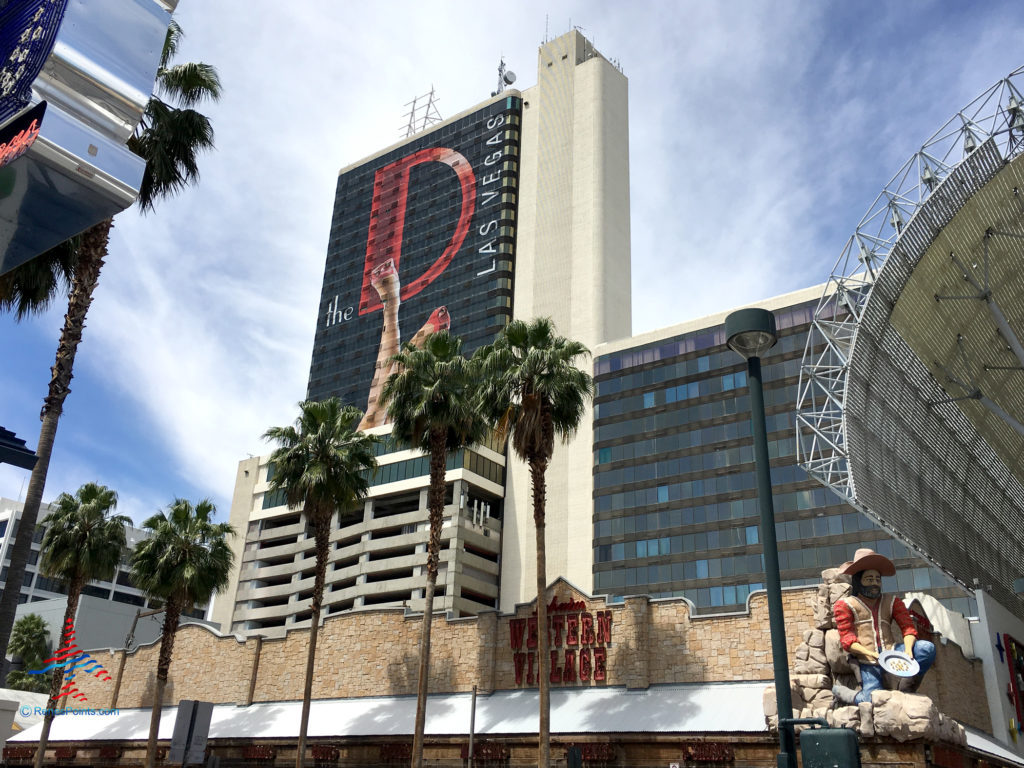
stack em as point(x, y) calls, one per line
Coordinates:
point(865, 560)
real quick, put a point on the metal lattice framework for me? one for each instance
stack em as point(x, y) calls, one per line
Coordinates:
point(870, 412)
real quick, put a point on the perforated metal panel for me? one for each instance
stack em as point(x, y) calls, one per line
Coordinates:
point(913, 413)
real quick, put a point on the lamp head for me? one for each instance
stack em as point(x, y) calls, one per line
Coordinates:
point(750, 332)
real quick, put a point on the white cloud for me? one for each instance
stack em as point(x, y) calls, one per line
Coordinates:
point(759, 135)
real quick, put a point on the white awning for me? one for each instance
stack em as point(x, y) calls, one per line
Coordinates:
point(712, 707)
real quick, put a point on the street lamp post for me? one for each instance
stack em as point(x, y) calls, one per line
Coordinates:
point(751, 333)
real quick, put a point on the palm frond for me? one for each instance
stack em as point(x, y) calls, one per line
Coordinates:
point(189, 84)
point(32, 287)
point(187, 558)
point(171, 41)
point(531, 386)
point(83, 541)
point(170, 148)
point(322, 462)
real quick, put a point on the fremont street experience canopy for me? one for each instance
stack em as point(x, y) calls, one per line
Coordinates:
point(911, 395)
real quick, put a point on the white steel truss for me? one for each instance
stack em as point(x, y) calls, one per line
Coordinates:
point(990, 129)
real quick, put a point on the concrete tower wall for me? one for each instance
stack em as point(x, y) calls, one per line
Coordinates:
point(572, 265)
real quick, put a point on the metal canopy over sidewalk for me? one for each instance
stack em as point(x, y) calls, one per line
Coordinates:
point(914, 411)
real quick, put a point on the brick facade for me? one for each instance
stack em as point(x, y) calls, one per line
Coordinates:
point(374, 653)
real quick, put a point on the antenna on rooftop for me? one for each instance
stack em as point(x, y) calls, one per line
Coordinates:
point(421, 115)
point(505, 77)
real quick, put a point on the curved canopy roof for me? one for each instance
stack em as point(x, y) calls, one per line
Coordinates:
point(914, 410)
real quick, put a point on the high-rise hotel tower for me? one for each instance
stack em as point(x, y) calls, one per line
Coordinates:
point(518, 207)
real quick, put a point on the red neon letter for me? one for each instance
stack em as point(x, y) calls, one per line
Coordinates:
point(387, 221)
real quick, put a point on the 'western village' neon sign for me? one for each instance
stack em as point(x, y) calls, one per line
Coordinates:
point(578, 642)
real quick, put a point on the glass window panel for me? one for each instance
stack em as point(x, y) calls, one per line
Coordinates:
point(751, 534)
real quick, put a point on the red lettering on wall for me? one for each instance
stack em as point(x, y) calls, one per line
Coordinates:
point(586, 629)
point(323, 753)
point(569, 672)
point(604, 627)
point(600, 663)
point(487, 751)
point(531, 632)
point(597, 753)
point(519, 660)
point(556, 623)
point(568, 605)
point(260, 752)
point(530, 679)
point(572, 629)
point(584, 664)
point(516, 627)
point(707, 752)
point(555, 676)
point(387, 221)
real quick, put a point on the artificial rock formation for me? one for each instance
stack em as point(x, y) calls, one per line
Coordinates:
point(819, 662)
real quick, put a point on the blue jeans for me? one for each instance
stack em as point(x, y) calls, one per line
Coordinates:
point(871, 674)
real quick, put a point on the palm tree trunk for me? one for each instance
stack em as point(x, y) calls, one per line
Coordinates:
point(87, 273)
point(435, 504)
point(538, 467)
point(172, 614)
point(322, 533)
point(56, 683)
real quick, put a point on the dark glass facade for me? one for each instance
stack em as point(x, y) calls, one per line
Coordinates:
point(440, 211)
point(675, 502)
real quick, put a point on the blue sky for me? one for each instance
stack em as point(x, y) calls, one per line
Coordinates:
point(759, 135)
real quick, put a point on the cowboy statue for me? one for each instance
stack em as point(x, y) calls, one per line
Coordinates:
point(864, 620)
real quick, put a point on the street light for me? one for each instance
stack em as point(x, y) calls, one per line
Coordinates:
point(751, 333)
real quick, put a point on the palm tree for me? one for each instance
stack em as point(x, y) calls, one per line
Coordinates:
point(432, 402)
point(30, 641)
point(169, 138)
point(533, 391)
point(185, 561)
point(83, 542)
point(321, 463)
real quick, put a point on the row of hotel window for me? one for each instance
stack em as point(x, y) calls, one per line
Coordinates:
point(725, 567)
point(703, 597)
point(677, 441)
point(692, 342)
point(676, 545)
point(410, 468)
point(706, 486)
point(712, 362)
point(676, 419)
point(711, 568)
point(905, 580)
point(698, 462)
point(789, 530)
point(693, 389)
point(812, 498)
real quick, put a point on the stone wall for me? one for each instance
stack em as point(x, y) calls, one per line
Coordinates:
point(373, 653)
